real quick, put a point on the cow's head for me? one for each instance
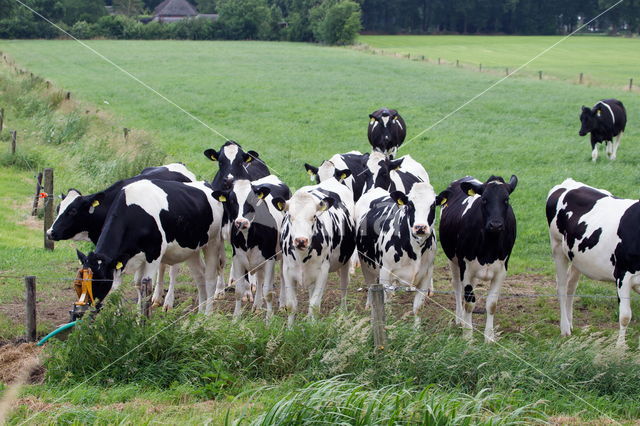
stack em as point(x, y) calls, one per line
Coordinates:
point(387, 131)
point(103, 272)
point(589, 119)
point(420, 207)
point(380, 168)
point(326, 171)
point(242, 203)
point(494, 200)
point(74, 215)
point(233, 163)
point(303, 210)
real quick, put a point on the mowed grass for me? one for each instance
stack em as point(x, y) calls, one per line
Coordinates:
point(608, 61)
point(297, 103)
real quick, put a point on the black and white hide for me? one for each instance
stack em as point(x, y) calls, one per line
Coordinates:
point(606, 122)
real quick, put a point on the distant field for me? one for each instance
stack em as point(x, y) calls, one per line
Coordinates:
point(609, 61)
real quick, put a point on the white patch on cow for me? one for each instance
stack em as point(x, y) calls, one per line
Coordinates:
point(81, 236)
point(70, 198)
point(385, 120)
point(422, 196)
point(398, 123)
point(374, 125)
point(242, 189)
point(613, 117)
point(374, 160)
point(181, 168)
point(326, 170)
point(230, 151)
point(594, 153)
point(468, 202)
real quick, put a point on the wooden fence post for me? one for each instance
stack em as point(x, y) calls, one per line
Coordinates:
point(376, 293)
point(68, 95)
point(34, 209)
point(30, 304)
point(480, 66)
point(581, 75)
point(48, 206)
point(438, 61)
point(630, 84)
point(1, 118)
point(506, 71)
point(145, 297)
point(125, 131)
point(14, 137)
point(539, 75)
point(457, 63)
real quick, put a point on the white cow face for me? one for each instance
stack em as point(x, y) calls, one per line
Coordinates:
point(303, 211)
point(420, 206)
point(243, 203)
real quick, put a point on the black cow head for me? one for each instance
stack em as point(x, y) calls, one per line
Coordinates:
point(242, 202)
point(75, 214)
point(234, 164)
point(590, 118)
point(494, 200)
point(387, 131)
point(102, 269)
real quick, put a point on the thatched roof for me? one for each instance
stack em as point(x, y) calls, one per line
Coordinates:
point(175, 8)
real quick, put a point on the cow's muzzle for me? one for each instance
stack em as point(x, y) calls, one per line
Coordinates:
point(495, 226)
point(421, 230)
point(241, 224)
point(581, 133)
point(301, 243)
point(51, 235)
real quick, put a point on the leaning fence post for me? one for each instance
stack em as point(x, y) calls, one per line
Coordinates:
point(376, 293)
point(34, 209)
point(48, 206)
point(145, 297)
point(14, 137)
point(30, 305)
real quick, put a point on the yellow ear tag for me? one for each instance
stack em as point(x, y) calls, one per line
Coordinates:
point(471, 192)
point(213, 157)
point(119, 265)
point(95, 203)
point(400, 202)
point(343, 176)
point(395, 118)
point(310, 172)
point(249, 159)
point(372, 121)
point(261, 195)
point(222, 199)
point(280, 205)
point(443, 202)
point(599, 113)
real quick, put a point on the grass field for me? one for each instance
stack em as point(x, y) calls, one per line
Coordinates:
point(607, 61)
point(297, 103)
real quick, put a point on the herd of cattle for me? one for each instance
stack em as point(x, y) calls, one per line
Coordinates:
point(373, 209)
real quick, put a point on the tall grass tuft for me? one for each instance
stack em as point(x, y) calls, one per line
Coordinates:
point(335, 401)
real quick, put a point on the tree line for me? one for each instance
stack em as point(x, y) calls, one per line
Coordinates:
point(324, 21)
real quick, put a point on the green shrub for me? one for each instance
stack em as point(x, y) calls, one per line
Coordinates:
point(67, 128)
point(23, 160)
point(83, 30)
point(336, 22)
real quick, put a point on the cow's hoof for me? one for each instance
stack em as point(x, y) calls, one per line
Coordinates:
point(167, 308)
point(155, 305)
point(218, 295)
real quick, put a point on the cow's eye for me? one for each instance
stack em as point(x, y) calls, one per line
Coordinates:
point(506, 201)
point(73, 212)
point(484, 201)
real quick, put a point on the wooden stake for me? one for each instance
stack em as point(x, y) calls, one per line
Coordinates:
point(539, 75)
point(438, 61)
point(458, 63)
point(480, 67)
point(1, 118)
point(506, 71)
point(68, 95)
point(30, 305)
point(376, 293)
point(48, 206)
point(630, 84)
point(581, 75)
point(145, 297)
point(14, 137)
point(36, 198)
point(125, 131)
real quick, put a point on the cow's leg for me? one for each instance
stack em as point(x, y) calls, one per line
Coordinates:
point(240, 275)
point(457, 288)
point(156, 299)
point(562, 269)
point(291, 303)
point(196, 267)
point(211, 262)
point(572, 284)
point(609, 146)
point(269, 294)
point(624, 294)
point(354, 262)
point(594, 151)
point(258, 281)
point(492, 304)
point(425, 288)
point(318, 290)
point(616, 144)
point(170, 298)
point(344, 284)
point(282, 297)
point(370, 277)
point(221, 264)
point(469, 305)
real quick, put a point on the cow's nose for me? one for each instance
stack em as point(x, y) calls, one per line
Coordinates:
point(495, 226)
point(301, 243)
point(581, 133)
point(242, 223)
point(51, 235)
point(420, 229)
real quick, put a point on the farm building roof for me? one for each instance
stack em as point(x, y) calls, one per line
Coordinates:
point(175, 8)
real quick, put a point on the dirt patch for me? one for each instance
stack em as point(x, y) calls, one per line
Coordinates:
point(15, 357)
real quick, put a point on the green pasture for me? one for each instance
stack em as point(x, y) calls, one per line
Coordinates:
point(606, 61)
point(297, 103)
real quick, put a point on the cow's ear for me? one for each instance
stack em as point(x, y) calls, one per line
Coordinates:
point(513, 182)
point(220, 196)
point(585, 109)
point(262, 192)
point(81, 257)
point(279, 203)
point(211, 154)
point(399, 197)
point(372, 118)
point(249, 156)
point(472, 188)
point(311, 171)
point(395, 164)
point(341, 175)
point(443, 197)
point(326, 203)
point(95, 200)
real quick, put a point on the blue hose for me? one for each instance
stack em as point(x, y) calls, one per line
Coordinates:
point(56, 331)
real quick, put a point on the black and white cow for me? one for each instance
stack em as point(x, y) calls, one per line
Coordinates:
point(235, 164)
point(396, 239)
point(595, 234)
point(318, 237)
point(606, 122)
point(394, 175)
point(386, 131)
point(153, 222)
point(354, 161)
point(477, 233)
point(255, 235)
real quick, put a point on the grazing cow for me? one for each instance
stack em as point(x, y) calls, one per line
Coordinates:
point(396, 239)
point(387, 131)
point(477, 233)
point(318, 237)
point(255, 235)
point(154, 221)
point(595, 234)
point(235, 164)
point(606, 122)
